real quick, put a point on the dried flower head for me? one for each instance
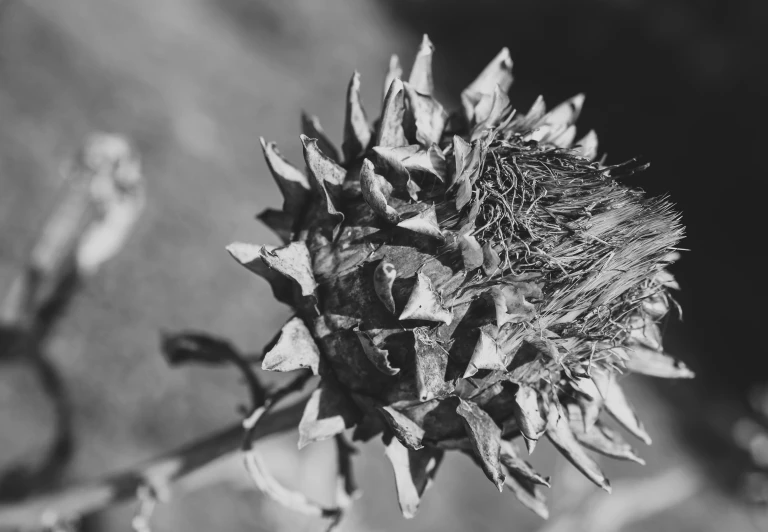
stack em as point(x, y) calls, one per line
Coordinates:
point(464, 280)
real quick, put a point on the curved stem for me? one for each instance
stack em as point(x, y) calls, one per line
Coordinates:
point(173, 473)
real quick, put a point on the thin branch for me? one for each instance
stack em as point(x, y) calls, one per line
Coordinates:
point(170, 474)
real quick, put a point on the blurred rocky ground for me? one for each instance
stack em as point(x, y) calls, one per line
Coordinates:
point(195, 82)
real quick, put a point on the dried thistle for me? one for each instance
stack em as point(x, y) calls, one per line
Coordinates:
point(462, 280)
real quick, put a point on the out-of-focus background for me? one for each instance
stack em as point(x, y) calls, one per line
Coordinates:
point(195, 82)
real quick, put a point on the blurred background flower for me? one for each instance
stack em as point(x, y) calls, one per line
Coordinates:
point(195, 82)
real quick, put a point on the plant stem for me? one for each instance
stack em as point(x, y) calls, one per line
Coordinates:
point(171, 474)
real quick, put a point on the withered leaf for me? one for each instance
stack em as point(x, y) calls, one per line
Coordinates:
point(383, 278)
point(424, 222)
point(421, 72)
point(310, 126)
point(394, 72)
point(510, 305)
point(424, 303)
point(529, 494)
point(471, 252)
point(491, 259)
point(291, 181)
point(272, 488)
point(414, 158)
point(431, 365)
point(328, 412)
point(566, 113)
point(249, 255)
point(650, 362)
point(618, 406)
point(279, 221)
point(514, 464)
point(426, 115)
point(325, 174)
point(498, 72)
point(587, 146)
point(529, 416)
point(295, 349)
point(600, 438)
point(414, 473)
point(559, 433)
point(292, 261)
point(321, 166)
point(485, 436)
point(485, 356)
point(378, 357)
point(493, 110)
point(564, 139)
point(376, 191)
point(407, 431)
point(391, 133)
point(468, 159)
point(357, 132)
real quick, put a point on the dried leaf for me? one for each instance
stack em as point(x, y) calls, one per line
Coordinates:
point(424, 303)
point(618, 406)
point(407, 431)
point(650, 362)
point(431, 366)
point(491, 111)
point(414, 158)
point(376, 192)
point(566, 138)
point(378, 357)
point(491, 259)
point(288, 498)
point(529, 416)
point(532, 118)
point(529, 494)
point(395, 72)
point(357, 132)
point(391, 133)
point(292, 261)
point(510, 305)
point(295, 349)
point(328, 412)
point(468, 159)
point(485, 436)
point(414, 473)
point(310, 126)
point(514, 464)
point(587, 146)
point(427, 116)
point(279, 221)
point(325, 174)
point(559, 433)
point(421, 73)
point(291, 181)
point(566, 113)
point(498, 72)
point(383, 278)
point(249, 255)
point(424, 222)
point(485, 356)
point(471, 252)
point(600, 438)
point(321, 166)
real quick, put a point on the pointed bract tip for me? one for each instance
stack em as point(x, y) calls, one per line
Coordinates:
point(243, 252)
point(530, 445)
point(426, 44)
